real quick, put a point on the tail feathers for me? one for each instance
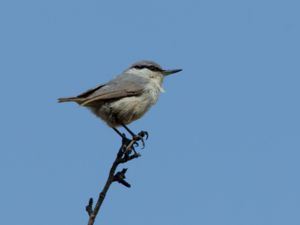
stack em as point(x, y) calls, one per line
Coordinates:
point(70, 99)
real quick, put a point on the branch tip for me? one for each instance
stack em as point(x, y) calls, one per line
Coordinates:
point(89, 207)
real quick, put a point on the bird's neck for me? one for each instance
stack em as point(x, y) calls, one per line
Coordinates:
point(156, 83)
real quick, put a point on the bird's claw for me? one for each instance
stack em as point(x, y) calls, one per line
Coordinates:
point(126, 142)
point(140, 137)
point(144, 134)
point(136, 138)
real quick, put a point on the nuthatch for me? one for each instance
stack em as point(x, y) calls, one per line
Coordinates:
point(127, 97)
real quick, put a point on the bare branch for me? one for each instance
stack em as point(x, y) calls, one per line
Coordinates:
point(125, 154)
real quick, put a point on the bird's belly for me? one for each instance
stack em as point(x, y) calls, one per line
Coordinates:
point(122, 111)
point(128, 109)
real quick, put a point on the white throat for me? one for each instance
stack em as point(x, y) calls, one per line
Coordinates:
point(155, 78)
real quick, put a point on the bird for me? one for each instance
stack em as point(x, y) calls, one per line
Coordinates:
point(127, 97)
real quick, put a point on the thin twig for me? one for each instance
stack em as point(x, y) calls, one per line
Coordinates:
point(125, 154)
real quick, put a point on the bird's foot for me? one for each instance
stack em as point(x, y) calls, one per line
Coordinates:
point(128, 146)
point(140, 137)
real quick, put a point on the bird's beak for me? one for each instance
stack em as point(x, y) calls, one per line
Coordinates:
point(169, 72)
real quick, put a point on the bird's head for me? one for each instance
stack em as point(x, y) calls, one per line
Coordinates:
point(150, 69)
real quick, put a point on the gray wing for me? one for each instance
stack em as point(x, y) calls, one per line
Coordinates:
point(124, 85)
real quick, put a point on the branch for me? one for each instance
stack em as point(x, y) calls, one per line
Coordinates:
point(125, 154)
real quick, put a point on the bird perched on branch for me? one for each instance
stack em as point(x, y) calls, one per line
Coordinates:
point(127, 97)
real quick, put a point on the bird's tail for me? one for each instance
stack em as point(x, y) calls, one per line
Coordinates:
point(70, 99)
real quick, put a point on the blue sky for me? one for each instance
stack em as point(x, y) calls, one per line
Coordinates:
point(224, 142)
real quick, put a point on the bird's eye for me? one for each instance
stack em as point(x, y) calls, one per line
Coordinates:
point(153, 68)
point(138, 67)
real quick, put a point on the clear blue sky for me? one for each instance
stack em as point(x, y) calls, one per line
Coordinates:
point(224, 142)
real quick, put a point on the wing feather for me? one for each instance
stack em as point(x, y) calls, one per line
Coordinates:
point(122, 86)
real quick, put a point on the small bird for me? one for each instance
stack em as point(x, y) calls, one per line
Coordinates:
point(127, 97)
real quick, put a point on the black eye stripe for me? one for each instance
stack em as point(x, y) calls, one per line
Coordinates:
point(153, 68)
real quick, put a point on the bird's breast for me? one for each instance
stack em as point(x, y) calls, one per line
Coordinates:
point(152, 91)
